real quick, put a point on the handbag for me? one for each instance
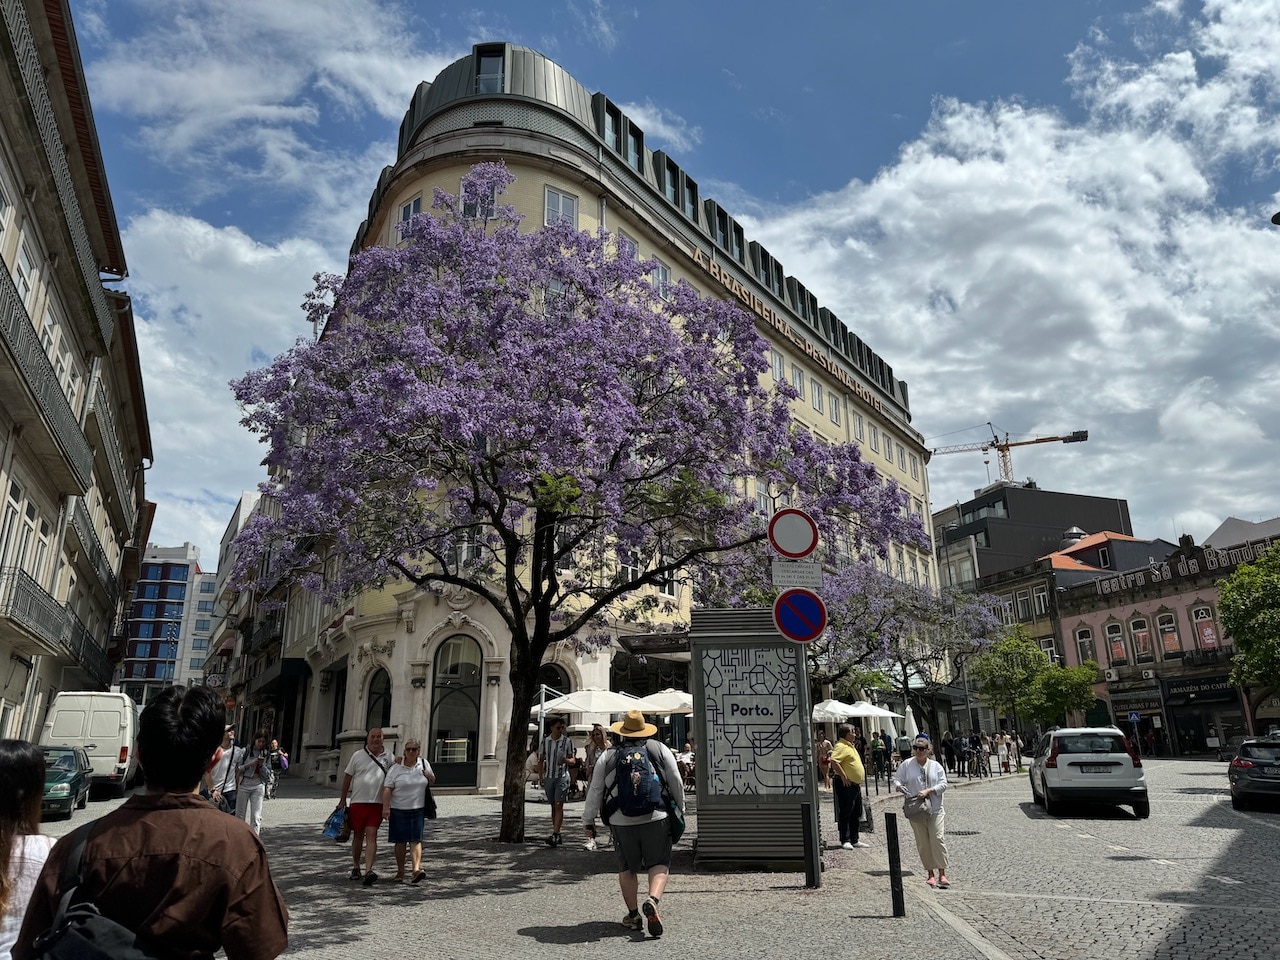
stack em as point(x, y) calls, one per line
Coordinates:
point(333, 826)
point(429, 801)
point(916, 808)
point(284, 762)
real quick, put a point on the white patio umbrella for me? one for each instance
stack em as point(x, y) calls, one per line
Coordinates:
point(864, 708)
point(831, 711)
point(590, 700)
point(666, 701)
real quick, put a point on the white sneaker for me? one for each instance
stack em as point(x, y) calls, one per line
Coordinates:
point(860, 843)
point(847, 845)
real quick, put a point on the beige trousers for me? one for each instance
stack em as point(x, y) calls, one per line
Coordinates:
point(930, 842)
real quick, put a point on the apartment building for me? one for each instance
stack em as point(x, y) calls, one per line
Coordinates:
point(73, 419)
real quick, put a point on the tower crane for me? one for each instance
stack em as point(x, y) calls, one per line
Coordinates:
point(1003, 446)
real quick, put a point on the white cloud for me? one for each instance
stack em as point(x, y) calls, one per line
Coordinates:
point(662, 127)
point(1051, 276)
point(209, 304)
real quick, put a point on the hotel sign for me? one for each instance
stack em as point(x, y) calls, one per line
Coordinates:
point(757, 305)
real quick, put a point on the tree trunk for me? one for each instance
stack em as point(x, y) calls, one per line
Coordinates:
point(513, 783)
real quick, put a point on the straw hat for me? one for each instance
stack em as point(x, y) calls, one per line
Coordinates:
point(634, 726)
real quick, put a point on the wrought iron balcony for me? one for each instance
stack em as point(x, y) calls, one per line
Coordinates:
point(124, 498)
point(269, 632)
point(29, 385)
point(82, 523)
point(30, 619)
point(28, 63)
point(86, 651)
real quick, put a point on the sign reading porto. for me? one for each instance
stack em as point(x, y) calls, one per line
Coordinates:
point(793, 533)
point(800, 615)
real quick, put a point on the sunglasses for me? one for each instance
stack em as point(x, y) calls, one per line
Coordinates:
point(412, 749)
point(919, 748)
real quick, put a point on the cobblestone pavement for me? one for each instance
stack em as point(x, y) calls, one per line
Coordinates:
point(1184, 884)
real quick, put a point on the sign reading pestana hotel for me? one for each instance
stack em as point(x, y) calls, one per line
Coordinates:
point(1214, 560)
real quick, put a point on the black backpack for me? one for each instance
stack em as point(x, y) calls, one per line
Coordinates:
point(637, 789)
point(79, 931)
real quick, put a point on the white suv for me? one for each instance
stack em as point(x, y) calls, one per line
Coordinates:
point(1097, 764)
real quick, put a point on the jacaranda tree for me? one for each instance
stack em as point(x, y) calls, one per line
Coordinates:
point(523, 413)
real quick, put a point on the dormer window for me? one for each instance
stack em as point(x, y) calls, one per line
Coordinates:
point(1104, 557)
point(490, 67)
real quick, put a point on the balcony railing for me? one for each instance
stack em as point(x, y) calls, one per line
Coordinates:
point(94, 553)
point(101, 408)
point(268, 632)
point(33, 363)
point(33, 72)
point(86, 651)
point(40, 619)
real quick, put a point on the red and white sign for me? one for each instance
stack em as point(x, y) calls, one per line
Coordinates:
point(793, 533)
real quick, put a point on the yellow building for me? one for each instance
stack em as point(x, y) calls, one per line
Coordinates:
point(432, 663)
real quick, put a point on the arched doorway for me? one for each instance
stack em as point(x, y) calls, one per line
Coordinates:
point(378, 711)
point(554, 676)
point(455, 712)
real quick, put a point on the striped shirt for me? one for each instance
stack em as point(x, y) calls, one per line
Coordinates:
point(554, 753)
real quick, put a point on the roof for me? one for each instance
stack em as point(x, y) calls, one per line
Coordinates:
point(1233, 530)
point(1095, 540)
point(1059, 561)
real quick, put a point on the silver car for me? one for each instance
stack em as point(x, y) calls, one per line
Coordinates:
point(1093, 764)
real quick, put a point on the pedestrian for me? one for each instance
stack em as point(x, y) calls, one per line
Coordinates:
point(252, 775)
point(186, 880)
point(279, 764)
point(404, 804)
point(848, 775)
point(634, 808)
point(879, 756)
point(23, 849)
point(557, 758)
point(220, 780)
point(822, 750)
point(1002, 751)
point(362, 782)
point(597, 744)
point(922, 776)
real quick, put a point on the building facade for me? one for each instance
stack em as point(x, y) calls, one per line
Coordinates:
point(169, 624)
point(433, 663)
point(1007, 525)
point(73, 421)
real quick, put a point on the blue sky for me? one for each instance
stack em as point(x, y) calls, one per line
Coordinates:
point(1049, 216)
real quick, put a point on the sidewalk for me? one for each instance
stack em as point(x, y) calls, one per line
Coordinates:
point(487, 899)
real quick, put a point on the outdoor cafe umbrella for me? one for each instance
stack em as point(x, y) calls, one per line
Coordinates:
point(831, 711)
point(666, 701)
point(862, 708)
point(590, 700)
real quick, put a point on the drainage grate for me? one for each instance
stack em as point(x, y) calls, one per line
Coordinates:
point(963, 833)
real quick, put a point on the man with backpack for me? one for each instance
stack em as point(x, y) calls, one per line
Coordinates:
point(635, 788)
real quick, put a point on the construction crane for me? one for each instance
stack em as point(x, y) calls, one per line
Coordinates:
point(1003, 446)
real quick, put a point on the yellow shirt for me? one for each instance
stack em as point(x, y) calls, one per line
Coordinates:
point(844, 756)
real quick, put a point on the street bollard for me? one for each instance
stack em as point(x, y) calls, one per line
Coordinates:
point(895, 864)
point(812, 856)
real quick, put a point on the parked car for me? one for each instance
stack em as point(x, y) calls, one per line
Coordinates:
point(1255, 772)
point(1095, 764)
point(67, 779)
point(1232, 748)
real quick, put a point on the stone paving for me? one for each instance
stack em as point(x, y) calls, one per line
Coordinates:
point(1188, 883)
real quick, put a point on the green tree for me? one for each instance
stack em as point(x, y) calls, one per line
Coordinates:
point(1249, 604)
point(1057, 691)
point(1006, 672)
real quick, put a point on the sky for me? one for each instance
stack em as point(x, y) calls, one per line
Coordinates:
point(1047, 217)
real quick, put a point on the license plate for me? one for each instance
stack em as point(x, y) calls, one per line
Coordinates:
point(1269, 771)
point(1094, 768)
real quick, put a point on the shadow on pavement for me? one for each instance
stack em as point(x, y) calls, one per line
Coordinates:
point(589, 932)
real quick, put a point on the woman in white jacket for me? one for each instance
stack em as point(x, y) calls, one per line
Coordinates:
point(922, 776)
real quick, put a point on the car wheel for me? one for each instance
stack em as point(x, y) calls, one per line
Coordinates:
point(1142, 809)
point(1238, 803)
point(1035, 794)
point(1051, 806)
point(84, 800)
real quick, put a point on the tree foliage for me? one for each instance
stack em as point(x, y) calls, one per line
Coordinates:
point(521, 413)
point(1058, 691)
point(1249, 604)
point(1006, 671)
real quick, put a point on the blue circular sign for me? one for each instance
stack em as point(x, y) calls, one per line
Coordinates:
point(800, 615)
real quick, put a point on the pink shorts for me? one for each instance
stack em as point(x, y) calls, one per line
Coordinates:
point(365, 815)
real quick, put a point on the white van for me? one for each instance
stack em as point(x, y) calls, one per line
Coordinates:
point(105, 725)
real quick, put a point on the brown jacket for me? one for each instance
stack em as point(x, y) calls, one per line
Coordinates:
point(179, 872)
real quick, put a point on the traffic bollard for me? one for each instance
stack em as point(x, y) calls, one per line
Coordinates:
point(895, 864)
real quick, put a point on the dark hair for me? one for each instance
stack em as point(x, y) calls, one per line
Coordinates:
point(178, 733)
point(21, 794)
